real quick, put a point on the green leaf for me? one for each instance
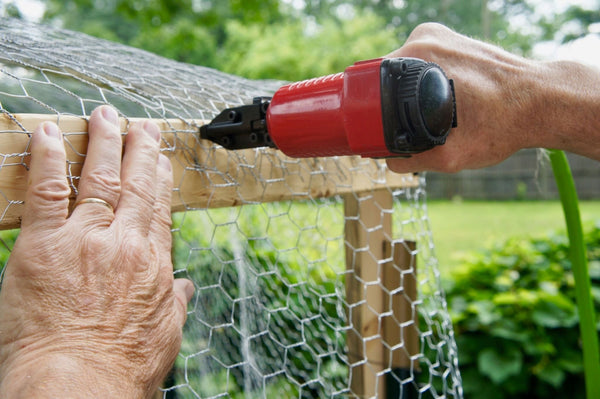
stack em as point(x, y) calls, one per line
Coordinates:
point(485, 310)
point(522, 298)
point(571, 361)
point(539, 346)
point(554, 311)
point(498, 367)
point(508, 329)
point(552, 375)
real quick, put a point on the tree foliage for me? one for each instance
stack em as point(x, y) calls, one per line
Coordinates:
point(295, 51)
point(573, 24)
point(286, 39)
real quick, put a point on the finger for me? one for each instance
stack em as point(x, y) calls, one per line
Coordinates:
point(184, 291)
point(47, 197)
point(100, 176)
point(138, 177)
point(160, 227)
point(431, 160)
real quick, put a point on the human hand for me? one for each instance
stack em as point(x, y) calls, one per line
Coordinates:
point(89, 306)
point(504, 103)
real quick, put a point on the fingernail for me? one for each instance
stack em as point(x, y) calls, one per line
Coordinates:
point(51, 130)
point(189, 291)
point(152, 129)
point(110, 115)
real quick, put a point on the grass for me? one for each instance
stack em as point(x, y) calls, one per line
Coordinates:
point(462, 226)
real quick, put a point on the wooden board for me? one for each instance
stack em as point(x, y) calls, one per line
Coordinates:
point(205, 175)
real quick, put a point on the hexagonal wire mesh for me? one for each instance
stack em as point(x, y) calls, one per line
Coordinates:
point(314, 277)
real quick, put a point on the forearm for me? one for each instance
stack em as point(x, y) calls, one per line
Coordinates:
point(567, 109)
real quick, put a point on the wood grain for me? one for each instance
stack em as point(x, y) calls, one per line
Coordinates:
point(205, 175)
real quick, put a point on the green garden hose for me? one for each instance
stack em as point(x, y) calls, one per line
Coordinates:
point(585, 304)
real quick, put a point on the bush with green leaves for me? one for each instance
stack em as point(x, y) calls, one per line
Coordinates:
point(265, 315)
point(515, 318)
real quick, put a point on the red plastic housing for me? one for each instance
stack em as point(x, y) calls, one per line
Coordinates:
point(337, 114)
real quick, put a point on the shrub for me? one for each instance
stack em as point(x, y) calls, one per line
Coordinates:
point(263, 303)
point(515, 318)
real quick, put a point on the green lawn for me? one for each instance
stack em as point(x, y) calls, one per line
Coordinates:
point(464, 226)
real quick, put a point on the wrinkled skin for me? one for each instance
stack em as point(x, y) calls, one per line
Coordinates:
point(89, 306)
point(504, 103)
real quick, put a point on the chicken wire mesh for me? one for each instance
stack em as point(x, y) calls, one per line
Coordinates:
point(314, 278)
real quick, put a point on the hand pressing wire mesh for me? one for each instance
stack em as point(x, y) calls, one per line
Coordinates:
point(315, 278)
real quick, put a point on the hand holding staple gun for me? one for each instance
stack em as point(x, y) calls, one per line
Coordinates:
point(505, 103)
point(404, 108)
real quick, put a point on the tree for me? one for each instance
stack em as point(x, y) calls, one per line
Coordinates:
point(477, 18)
point(293, 51)
point(573, 24)
point(294, 40)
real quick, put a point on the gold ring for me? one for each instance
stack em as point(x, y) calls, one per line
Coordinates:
point(93, 200)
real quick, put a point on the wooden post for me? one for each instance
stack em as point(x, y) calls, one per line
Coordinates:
point(400, 325)
point(368, 227)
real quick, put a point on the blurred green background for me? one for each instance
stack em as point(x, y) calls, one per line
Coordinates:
point(509, 284)
point(296, 39)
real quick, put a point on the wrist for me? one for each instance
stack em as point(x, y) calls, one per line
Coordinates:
point(64, 376)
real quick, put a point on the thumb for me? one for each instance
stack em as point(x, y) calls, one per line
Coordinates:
point(184, 291)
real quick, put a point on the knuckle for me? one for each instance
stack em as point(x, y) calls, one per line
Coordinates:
point(104, 180)
point(132, 257)
point(50, 189)
point(452, 168)
point(135, 247)
point(141, 187)
point(449, 163)
point(136, 253)
point(428, 29)
point(94, 246)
